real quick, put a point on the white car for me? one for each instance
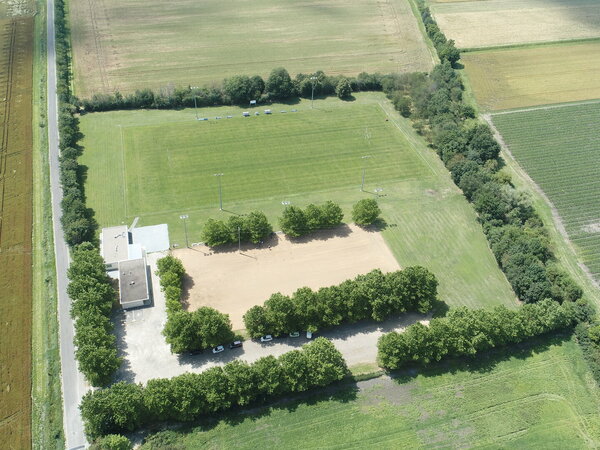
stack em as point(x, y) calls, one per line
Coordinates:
point(266, 338)
point(309, 335)
point(218, 349)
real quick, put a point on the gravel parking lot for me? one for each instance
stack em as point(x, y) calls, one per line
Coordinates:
point(147, 355)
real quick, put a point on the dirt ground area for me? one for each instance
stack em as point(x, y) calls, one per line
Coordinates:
point(233, 282)
point(15, 231)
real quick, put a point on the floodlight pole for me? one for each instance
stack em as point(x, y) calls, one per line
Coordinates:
point(239, 240)
point(219, 175)
point(312, 95)
point(362, 185)
point(184, 217)
point(195, 104)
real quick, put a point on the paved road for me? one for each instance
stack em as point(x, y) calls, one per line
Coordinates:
point(73, 383)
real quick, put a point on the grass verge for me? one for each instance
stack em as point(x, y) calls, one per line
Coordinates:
point(47, 417)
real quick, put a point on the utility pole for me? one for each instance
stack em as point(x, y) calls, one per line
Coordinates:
point(362, 185)
point(312, 95)
point(184, 218)
point(219, 175)
point(195, 104)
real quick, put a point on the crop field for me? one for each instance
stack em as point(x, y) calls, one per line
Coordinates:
point(533, 398)
point(15, 231)
point(560, 149)
point(161, 164)
point(516, 78)
point(185, 42)
point(488, 23)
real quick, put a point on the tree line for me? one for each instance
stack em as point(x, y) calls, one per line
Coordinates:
point(238, 90)
point(294, 222)
point(253, 227)
point(466, 332)
point(470, 151)
point(126, 407)
point(189, 331)
point(374, 295)
point(77, 220)
point(92, 297)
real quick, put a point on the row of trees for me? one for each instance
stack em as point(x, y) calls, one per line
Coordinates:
point(445, 48)
point(253, 227)
point(374, 296)
point(92, 296)
point(471, 153)
point(77, 220)
point(296, 222)
point(466, 332)
point(128, 407)
point(189, 331)
point(239, 90)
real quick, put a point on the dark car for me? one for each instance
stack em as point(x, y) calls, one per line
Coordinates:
point(195, 352)
point(236, 344)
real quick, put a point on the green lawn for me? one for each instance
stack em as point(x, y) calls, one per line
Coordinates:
point(160, 164)
point(560, 149)
point(540, 397)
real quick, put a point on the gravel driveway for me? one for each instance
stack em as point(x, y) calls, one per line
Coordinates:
point(147, 355)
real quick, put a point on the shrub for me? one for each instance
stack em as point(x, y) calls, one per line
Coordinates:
point(343, 89)
point(365, 212)
point(112, 442)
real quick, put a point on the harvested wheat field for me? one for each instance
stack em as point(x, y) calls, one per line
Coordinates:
point(487, 23)
point(521, 77)
point(15, 231)
point(233, 283)
point(155, 43)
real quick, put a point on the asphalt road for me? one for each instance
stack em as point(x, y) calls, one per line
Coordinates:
point(73, 383)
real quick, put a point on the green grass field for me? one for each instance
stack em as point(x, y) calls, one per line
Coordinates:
point(521, 77)
point(530, 398)
point(560, 149)
point(185, 42)
point(165, 162)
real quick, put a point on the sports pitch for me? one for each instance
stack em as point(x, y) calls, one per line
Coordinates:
point(164, 167)
point(487, 23)
point(130, 45)
point(521, 77)
point(560, 149)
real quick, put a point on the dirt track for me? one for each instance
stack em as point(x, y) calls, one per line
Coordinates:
point(233, 282)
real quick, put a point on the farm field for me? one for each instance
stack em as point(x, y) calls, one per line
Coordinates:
point(166, 166)
point(560, 149)
point(479, 23)
point(186, 42)
point(517, 78)
point(511, 399)
point(15, 230)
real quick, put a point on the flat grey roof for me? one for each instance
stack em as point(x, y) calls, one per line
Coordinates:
point(114, 244)
point(133, 281)
point(153, 238)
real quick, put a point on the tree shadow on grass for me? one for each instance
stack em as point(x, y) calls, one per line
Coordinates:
point(344, 391)
point(483, 362)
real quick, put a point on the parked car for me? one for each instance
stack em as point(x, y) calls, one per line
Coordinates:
point(195, 352)
point(309, 335)
point(295, 334)
point(218, 349)
point(236, 344)
point(266, 338)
